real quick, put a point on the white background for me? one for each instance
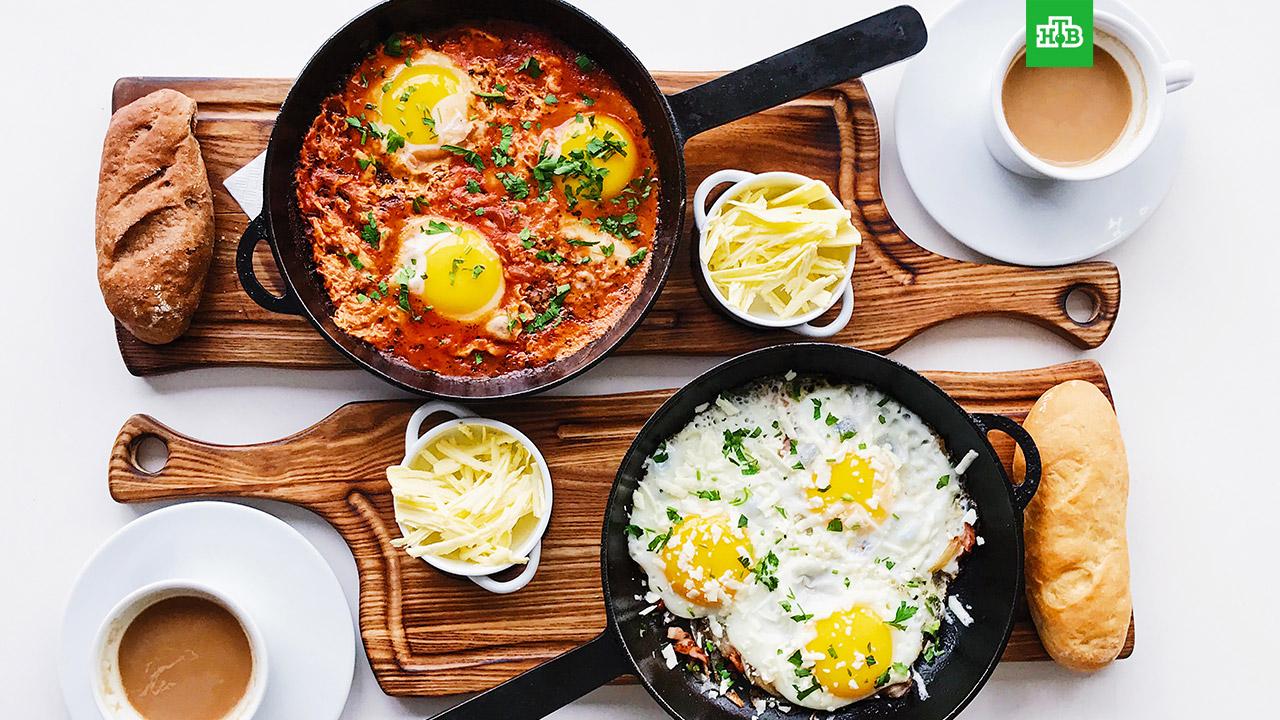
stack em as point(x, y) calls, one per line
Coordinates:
point(1192, 361)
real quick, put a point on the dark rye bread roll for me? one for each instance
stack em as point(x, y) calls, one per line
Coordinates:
point(155, 217)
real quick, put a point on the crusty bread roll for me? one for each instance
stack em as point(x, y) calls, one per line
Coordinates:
point(1077, 562)
point(155, 217)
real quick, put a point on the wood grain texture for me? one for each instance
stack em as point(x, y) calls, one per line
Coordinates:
point(427, 633)
point(901, 288)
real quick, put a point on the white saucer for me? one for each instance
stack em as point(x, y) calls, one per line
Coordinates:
point(271, 570)
point(941, 103)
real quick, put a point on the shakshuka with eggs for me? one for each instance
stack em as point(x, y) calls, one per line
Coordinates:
point(479, 201)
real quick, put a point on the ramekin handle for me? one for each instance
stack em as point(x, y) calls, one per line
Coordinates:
point(414, 430)
point(713, 180)
point(835, 326)
point(519, 581)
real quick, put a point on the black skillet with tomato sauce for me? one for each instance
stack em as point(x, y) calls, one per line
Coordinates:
point(479, 201)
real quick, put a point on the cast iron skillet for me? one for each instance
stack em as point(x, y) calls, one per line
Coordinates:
point(990, 578)
point(669, 121)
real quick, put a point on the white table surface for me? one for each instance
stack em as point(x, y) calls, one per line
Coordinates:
point(1192, 361)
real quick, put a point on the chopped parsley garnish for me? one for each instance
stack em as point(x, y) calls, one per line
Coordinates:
point(883, 401)
point(882, 421)
point(817, 408)
point(737, 454)
point(583, 243)
point(515, 185)
point(501, 156)
point(635, 531)
point(355, 261)
point(835, 525)
point(395, 140)
point(473, 187)
point(550, 256)
point(550, 316)
point(674, 516)
point(584, 63)
point(435, 227)
point(550, 99)
point(637, 257)
point(846, 434)
point(622, 226)
point(587, 99)
point(764, 572)
point(490, 97)
point(369, 232)
point(419, 203)
point(394, 46)
point(659, 541)
point(470, 156)
point(530, 67)
point(365, 127)
point(711, 495)
point(475, 271)
point(660, 455)
point(742, 521)
point(942, 481)
point(607, 250)
point(832, 419)
point(904, 613)
point(746, 495)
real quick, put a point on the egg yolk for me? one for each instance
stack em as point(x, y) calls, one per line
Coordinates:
point(853, 480)
point(607, 144)
point(413, 93)
point(702, 554)
point(463, 275)
point(856, 650)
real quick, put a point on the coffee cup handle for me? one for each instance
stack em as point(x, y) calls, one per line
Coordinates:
point(1177, 75)
point(500, 587)
point(414, 430)
point(713, 180)
point(835, 326)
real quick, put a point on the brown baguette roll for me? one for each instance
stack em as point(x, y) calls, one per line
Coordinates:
point(1077, 558)
point(155, 217)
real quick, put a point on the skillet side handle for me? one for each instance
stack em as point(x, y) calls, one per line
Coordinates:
point(849, 52)
point(255, 233)
point(1026, 489)
point(550, 686)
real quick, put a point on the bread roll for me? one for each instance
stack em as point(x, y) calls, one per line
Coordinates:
point(155, 217)
point(1077, 562)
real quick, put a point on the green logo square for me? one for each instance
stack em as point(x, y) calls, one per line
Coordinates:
point(1059, 33)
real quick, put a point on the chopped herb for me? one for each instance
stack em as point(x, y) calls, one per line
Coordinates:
point(395, 140)
point(764, 572)
point(584, 63)
point(530, 67)
point(817, 408)
point(419, 203)
point(742, 521)
point(473, 187)
point(607, 250)
point(637, 257)
point(364, 163)
point(781, 510)
point(355, 261)
point(551, 315)
point(587, 99)
point(370, 233)
point(470, 156)
point(883, 679)
point(737, 454)
point(798, 466)
point(550, 99)
point(832, 419)
point(475, 271)
point(942, 481)
point(550, 256)
point(635, 531)
point(835, 525)
point(883, 401)
point(660, 455)
point(583, 243)
point(711, 495)
point(435, 227)
point(882, 420)
point(746, 494)
point(674, 516)
point(394, 46)
point(501, 156)
point(904, 613)
point(490, 97)
point(515, 185)
point(659, 541)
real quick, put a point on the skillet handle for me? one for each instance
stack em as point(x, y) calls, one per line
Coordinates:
point(1026, 489)
point(866, 45)
point(550, 686)
point(255, 233)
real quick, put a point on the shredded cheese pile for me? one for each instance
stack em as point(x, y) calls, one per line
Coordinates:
point(467, 496)
point(774, 251)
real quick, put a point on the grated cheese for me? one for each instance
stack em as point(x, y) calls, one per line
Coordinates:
point(466, 495)
point(771, 250)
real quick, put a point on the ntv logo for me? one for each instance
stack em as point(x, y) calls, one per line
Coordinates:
point(1060, 31)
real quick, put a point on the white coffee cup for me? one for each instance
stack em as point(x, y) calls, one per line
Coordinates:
point(744, 182)
point(529, 545)
point(108, 687)
point(1150, 80)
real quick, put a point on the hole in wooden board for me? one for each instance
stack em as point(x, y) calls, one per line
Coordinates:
point(1082, 306)
point(150, 454)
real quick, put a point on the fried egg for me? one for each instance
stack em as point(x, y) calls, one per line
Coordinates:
point(604, 142)
point(423, 106)
point(811, 528)
point(453, 269)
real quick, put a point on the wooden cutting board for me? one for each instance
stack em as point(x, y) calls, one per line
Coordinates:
point(427, 633)
point(901, 288)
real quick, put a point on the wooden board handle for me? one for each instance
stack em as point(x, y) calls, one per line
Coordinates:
point(276, 470)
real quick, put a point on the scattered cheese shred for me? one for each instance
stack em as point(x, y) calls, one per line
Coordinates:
point(467, 495)
point(772, 251)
